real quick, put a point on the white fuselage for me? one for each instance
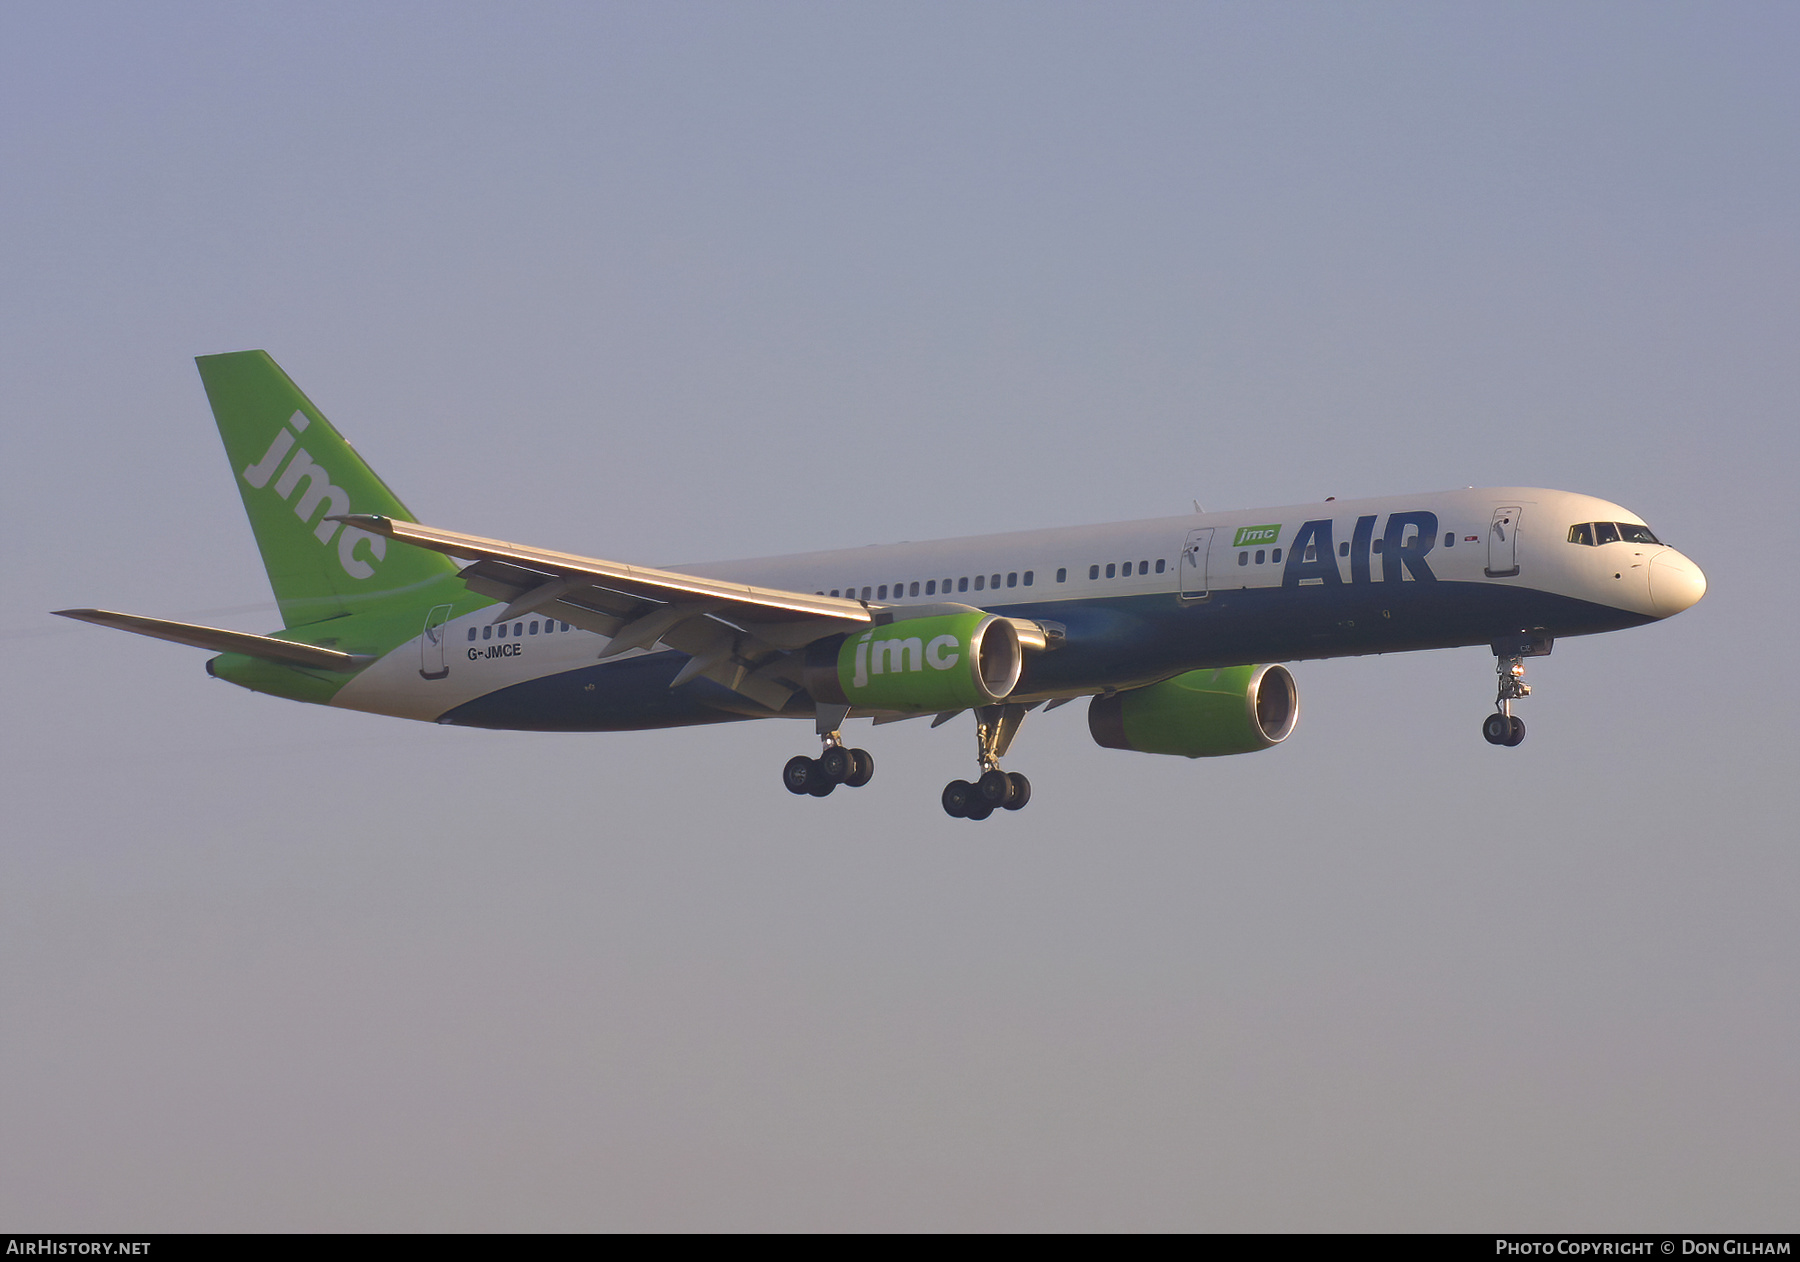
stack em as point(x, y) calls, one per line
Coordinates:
point(1240, 579)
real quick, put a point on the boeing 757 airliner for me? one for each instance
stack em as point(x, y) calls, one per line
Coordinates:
point(1168, 626)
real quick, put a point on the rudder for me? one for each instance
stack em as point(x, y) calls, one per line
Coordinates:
point(294, 470)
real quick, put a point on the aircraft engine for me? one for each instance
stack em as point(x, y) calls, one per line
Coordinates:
point(1237, 710)
point(948, 662)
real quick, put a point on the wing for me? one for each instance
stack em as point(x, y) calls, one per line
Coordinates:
point(739, 636)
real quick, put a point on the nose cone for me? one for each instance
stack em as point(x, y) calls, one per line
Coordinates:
point(1675, 582)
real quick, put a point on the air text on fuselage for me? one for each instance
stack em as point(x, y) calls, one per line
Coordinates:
point(1312, 558)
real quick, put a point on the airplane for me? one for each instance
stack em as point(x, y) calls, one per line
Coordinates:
point(1174, 628)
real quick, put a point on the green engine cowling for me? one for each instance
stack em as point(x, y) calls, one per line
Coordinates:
point(920, 665)
point(1237, 710)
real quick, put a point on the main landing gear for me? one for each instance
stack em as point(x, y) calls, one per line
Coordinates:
point(835, 764)
point(1503, 727)
point(995, 790)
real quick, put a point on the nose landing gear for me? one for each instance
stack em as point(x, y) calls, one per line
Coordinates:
point(1503, 727)
point(995, 727)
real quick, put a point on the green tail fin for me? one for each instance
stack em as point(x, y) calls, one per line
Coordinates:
point(294, 470)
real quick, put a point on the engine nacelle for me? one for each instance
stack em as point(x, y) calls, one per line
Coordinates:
point(920, 665)
point(1238, 710)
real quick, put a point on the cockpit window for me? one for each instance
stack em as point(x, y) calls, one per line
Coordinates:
point(1595, 533)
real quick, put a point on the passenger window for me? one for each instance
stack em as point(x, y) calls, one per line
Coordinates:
point(1143, 567)
point(1583, 534)
point(1260, 554)
point(1159, 565)
point(518, 629)
point(565, 626)
point(1275, 556)
point(1344, 548)
point(931, 588)
point(980, 581)
point(834, 591)
point(1243, 558)
point(881, 592)
point(1028, 575)
point(502, 631)
point(533, 627)
point(865, 594)
point(1449, 538)
point(1111, 569)
point(1062, 575)
point(962, 584)
point(487, 632)
point(914, 590)
point(1605, 532)
point(471, 633)
point(1012, 580)
point(1093, 571)
point(1378, 544)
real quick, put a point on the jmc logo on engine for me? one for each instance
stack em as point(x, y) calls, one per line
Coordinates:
point(891, 656)
point(947, 662)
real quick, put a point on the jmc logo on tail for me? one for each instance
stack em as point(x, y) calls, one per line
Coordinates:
point(319, 489)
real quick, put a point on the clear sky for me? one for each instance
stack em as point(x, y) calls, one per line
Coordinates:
point(667, 282)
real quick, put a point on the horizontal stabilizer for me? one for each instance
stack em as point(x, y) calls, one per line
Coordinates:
point(221, 641)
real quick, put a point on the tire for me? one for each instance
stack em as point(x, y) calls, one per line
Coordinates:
point(995, 788)
point(957, 797)
point(862, 768)
point(836, 764)
point(821, 787)
point(1518, 731)
point(1496, 729)
point(1021, 791)
point(979, 809)
point(798, 774)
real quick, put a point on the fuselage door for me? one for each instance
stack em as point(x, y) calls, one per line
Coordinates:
point(432, 664)
point(1503, 542)
point(1193, 564)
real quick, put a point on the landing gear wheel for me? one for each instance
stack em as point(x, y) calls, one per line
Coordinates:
point(1021, 791)
point(979, 809)
point(836, 764)
point(1497, 728)
point(994, 788)
point(1518, 731)
point(821, 787)
point(798, 774)
point(957, 796)
point(862, 768)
